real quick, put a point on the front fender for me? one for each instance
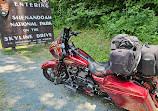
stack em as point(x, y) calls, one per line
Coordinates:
point(50, 64)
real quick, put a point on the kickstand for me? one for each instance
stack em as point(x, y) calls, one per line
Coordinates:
point(55, 81)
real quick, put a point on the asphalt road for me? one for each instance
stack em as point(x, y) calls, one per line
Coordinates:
point(28, 90)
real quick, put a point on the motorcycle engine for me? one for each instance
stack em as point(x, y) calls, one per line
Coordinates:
point(78, 75)
point(79, 78)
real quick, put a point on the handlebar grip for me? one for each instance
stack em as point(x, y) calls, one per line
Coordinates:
point(75, 33)
point(78, 32)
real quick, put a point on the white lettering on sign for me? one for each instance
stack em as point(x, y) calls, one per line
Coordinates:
point(12, 38)
point(46, 23)
point(46, 39)
point(31, 17)
point(16, 4)
point(21, 4)
point(25, 30)
point(16, 24)
point(5, 39)
point(18, 42)
point(26, 3)
point(29, 4)
point(43, 35)
point(34, 29)
point(16, 37)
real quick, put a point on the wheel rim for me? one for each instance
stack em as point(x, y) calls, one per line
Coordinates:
point(155, 96)
point(50, 74)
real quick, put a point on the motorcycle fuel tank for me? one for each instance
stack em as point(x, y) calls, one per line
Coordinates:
point(127, 94)
point(75, 60)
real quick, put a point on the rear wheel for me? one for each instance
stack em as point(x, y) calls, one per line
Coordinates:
point(155, 95)
point(155, 99)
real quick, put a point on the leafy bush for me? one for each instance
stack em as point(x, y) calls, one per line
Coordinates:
point(83, 18)
point(133, 20)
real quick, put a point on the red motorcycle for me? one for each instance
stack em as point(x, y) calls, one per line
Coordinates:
point(78, 71)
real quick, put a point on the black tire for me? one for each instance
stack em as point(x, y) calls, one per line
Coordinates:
point(50, 74)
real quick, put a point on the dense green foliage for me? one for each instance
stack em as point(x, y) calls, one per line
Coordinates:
point(138, 17)
point(134, 17)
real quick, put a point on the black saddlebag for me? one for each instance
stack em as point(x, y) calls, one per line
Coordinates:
point(125, 54)
point(149, 61)
point(122, 61)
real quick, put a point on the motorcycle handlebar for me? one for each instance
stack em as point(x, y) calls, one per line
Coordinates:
point(75, 33)
point(66, 36)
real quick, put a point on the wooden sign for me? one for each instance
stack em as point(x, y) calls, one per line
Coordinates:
point(27, 23)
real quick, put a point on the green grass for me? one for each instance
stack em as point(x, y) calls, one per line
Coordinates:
point(0, 45)
point(2, 94)
point(94, 42)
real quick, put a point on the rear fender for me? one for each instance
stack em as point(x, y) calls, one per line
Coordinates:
point(50, 64)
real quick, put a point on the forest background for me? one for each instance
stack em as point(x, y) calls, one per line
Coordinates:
point(133, 17)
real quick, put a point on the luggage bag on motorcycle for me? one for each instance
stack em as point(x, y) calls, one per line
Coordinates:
point(149, 61)
point(125, 54)
point(122, 61)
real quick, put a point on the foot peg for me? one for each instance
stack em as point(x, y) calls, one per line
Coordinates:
point(70, 88)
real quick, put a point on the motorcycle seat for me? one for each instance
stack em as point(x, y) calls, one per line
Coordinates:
point(98, 68)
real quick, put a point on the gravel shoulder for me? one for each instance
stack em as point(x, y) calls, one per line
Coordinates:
point(28, 90)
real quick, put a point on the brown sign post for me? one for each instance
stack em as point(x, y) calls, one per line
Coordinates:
point(27, 23)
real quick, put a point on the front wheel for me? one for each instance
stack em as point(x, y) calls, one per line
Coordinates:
point(52, 76)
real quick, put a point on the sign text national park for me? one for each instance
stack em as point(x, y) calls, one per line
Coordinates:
point(27, 23)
